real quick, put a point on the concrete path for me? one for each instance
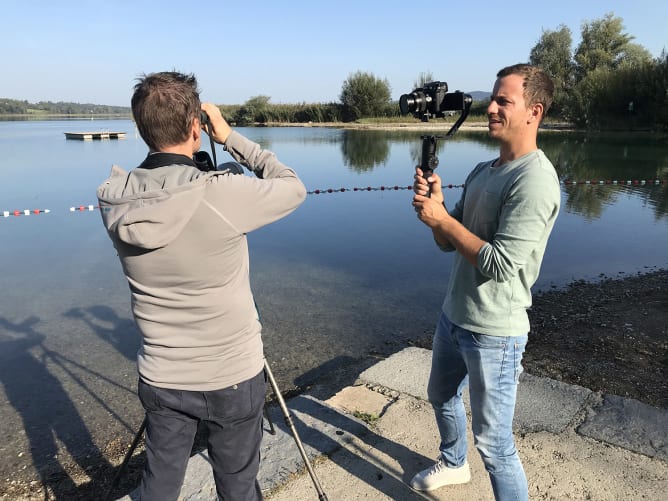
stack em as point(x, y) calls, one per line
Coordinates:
point(368, 440)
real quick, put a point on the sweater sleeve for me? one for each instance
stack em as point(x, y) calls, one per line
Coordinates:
point(247, 202)
point(530, 208)
point(263, 163)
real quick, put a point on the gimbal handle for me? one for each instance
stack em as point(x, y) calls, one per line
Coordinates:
point(429, 159)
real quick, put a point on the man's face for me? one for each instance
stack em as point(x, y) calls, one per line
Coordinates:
point(507, 112)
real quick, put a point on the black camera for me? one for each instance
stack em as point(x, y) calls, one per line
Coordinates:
point(203, 118)
point(203, 161)
point(201, 158)
point(433, 100)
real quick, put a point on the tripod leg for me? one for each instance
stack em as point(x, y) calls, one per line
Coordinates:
point(272, 430)
point(288, 420)
point(126, 460)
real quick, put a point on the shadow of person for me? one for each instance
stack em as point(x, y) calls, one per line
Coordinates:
point(48, 414)
point(333, 375)
point(121, 333)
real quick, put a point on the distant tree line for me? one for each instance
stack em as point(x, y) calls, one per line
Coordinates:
point(363, 95)
point(16, 107)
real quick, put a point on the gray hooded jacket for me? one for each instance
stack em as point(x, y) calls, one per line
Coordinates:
point(180, 234)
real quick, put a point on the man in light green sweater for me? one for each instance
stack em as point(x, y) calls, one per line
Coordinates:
point(499, 230)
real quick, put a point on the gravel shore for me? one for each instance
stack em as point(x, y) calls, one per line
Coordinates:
point(610, 336)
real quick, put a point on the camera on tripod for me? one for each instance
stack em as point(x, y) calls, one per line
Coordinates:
point(433, 100)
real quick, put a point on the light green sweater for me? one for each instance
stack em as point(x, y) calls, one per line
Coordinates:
point(512, 208)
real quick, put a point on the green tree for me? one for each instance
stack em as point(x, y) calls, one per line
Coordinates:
point(364, 95)
point(553, 54)
point(657, 88)
point(253, 110)
point(607, 68)
point(604, 45)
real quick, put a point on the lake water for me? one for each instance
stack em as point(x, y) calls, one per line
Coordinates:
point(348, 274)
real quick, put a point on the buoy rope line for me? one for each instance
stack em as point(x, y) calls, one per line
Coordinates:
point(369, 188)
point(566, 182)
point(634, 182)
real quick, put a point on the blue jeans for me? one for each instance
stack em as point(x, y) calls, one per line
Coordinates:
point(491, 366)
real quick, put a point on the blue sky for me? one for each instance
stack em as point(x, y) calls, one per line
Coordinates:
point(292, 51)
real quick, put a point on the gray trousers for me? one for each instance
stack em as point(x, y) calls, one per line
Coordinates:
point(233, 419)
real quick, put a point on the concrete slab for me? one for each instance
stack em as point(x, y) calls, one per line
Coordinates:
point(360, 399)
point(544, 404)
point(406, 371)
point(630, 424)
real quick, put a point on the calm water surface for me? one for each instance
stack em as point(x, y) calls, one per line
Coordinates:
point(346, 275)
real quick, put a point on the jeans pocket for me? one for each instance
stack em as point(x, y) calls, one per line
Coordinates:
point(153, 398)
point(238, 401)
point(486, 341)
point(147, 396)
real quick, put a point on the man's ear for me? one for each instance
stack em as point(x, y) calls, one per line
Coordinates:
point(536, 112)
point(196, 129)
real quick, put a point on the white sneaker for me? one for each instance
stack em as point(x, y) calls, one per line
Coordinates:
point(439, 475)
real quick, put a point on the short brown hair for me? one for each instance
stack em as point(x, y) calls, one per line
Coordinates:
point(538, 86)
point(164, 106)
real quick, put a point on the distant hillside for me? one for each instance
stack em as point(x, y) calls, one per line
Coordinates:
point(16, 107)
point(479, 95)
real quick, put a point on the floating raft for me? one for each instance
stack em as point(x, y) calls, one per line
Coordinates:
point(94, 135)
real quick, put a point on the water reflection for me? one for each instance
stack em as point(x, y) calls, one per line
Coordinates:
point(576, 157)
point(622, 156)
point(364, 151)
point(619, 158)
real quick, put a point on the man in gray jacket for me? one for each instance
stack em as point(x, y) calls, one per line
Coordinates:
point(180, 234)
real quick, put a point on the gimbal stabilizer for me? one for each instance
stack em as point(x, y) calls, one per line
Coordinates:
point(429, 159)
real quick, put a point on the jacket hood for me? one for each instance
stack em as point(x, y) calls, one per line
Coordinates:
point(148, 208)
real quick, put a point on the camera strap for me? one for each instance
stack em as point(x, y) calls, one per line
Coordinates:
point(207, 129)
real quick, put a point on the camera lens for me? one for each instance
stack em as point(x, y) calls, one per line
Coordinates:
point(415, 102)
point(406, 103)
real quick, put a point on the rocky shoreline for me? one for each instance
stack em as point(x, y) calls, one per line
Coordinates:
point(610, 336)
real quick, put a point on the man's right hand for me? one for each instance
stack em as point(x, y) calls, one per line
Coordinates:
point(220, 129)
point(428, 187)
